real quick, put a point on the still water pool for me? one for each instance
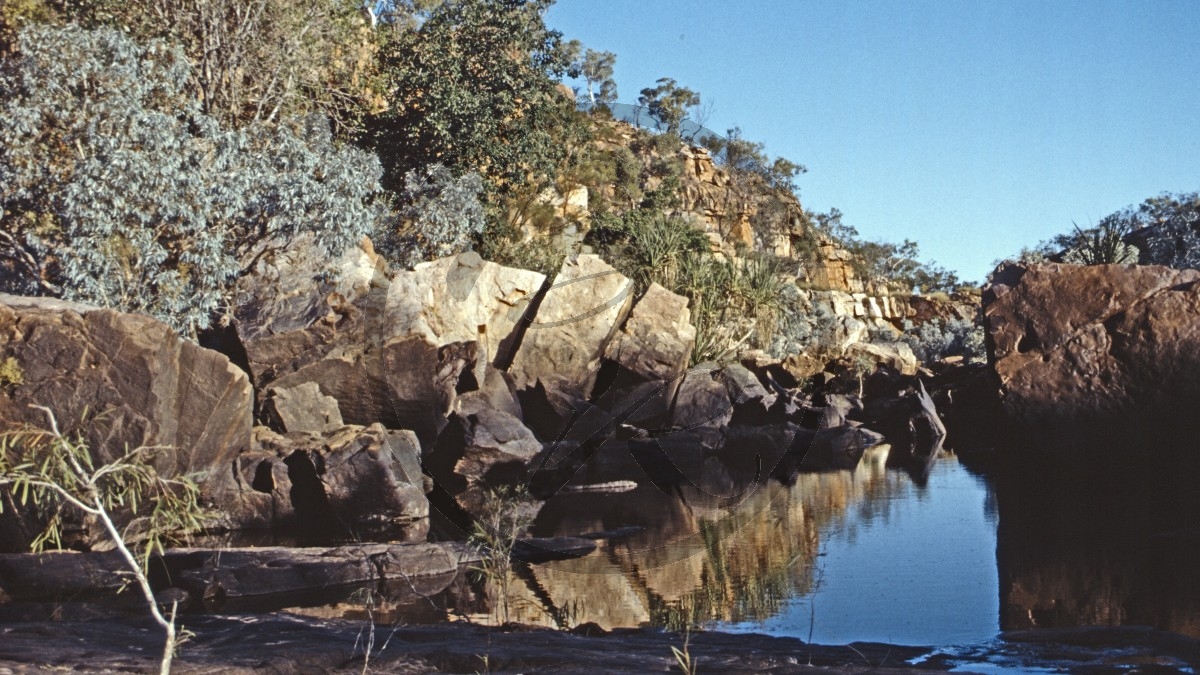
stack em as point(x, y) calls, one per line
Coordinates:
point(916, 566)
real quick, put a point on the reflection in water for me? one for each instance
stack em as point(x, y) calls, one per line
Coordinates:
point(1105, 551)
point(862, 555)
point(727, 551)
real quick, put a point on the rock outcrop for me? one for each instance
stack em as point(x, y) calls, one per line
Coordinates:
point(482, 450)
point(647, 357)
point(559, 358)
point(352, 481)
point(398, 351)
point(124, 381)
point(1100, 352)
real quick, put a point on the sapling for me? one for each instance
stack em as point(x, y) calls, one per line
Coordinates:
point(46, 469)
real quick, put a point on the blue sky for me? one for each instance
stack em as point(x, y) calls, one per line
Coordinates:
point(974, 128)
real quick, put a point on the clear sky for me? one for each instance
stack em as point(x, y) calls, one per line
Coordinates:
point(974, 128)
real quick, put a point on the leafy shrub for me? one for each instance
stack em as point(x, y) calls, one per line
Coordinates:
point(115, 190)
point(474, 86)
point(803, 325)
point(1169, 229)
point(936, 339)
point(441, 216)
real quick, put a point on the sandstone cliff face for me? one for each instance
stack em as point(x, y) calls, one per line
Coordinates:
point(1094, 352)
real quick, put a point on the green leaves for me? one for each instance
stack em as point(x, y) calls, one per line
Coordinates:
point(48, 471)
point(474, 88)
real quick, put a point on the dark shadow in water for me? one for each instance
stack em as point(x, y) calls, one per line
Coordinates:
point(1097, 544)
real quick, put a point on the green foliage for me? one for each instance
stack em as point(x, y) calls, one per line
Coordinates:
point(441, 216)
point(506, 246)
point(1165, 228)
point(46, 470)
point(745, 157)
point(1103, 244)
point(668, 103)
point(116, 190)
point(474, 87)
point(730, 300)
point(257, 60)
point(503, 518)
point(596, 69)
point(936, 339)
point(803, 326)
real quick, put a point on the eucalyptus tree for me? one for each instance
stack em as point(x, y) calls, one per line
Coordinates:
point(668, 103)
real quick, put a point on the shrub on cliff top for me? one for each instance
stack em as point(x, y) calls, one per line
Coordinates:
point(116, 190)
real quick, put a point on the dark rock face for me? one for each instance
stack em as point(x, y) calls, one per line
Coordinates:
point(124, 381)
point(1089, 352)
point(488, 448)
point(702, 400)
point(353, 480)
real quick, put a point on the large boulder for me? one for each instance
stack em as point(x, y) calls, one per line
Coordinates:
point(122, 381)
point(896, 355)
point(1096, 353)
point(703, 400)
point(351, 481)
point(645, 360)
point(656, 342)
point(482, 450)
point(464, 298)
point(559, 358)
point(301, 408)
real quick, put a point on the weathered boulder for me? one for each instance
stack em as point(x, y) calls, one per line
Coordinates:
point(750, 400)
point(461, 299)
point(301, 408)
point(647, 357)
point(123, 381)
point(897, 355)
point(702, 400)
point(353, 480)
point(561, 351)
point(656, 341)
point(1096, 353)
point(899, 407)
point(485, 449)
point(402, 382)
point(296, 291)
point(495, 391)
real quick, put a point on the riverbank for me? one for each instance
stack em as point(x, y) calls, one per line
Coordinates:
point(289, 644)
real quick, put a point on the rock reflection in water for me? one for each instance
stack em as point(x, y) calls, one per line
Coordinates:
point(1098, 551)
point(725, 545)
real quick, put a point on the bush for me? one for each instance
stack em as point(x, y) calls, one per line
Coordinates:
point(936, 339)
point(803, 326)
point(1103, 244)
point(115, 190)
point(730, 300)
point(441, 216)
